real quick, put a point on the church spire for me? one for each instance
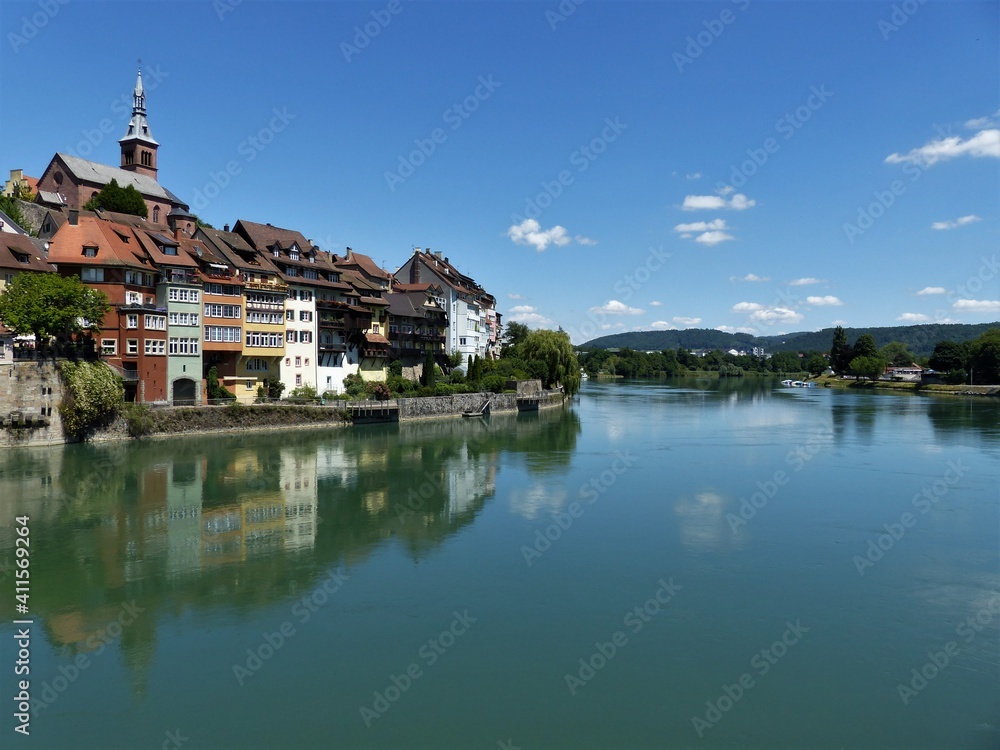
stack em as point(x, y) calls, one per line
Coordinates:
point(138, 145)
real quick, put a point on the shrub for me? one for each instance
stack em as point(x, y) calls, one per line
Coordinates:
point(493, 382)
point(307, 392)
point(216, 392)
point(399, 385)
point(378, 391)
point(94, 396)
point(396, 369)
point(956, 377)
point(457, 376)
point(138, 419)
point(354, 384)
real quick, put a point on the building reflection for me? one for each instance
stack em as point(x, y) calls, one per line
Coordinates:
point(196, 524)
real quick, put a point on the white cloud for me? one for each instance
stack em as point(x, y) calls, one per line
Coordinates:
point(738, 329)
point(914, 318)
point(529, 316)
point(976, 305)
point(614, 307)
point(959, 222)
point(656, 303)
point(983, 143)
point(530, 232)
point(933, 290)
point(772, 315)
point(827, 301)
point(517, 309)
point(693, 176)
point(739, 202)
point(662, 325)
point(838, 322)
point(805, 281)
point(581, 240)
point(702, 226)
point(741, 307)
point(511, 295)
point(984, 122)
point(681, 320)
point(713, 238)
point(725, 190)
point(750, 277)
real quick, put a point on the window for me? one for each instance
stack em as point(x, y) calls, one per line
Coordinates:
point(293, 254)
point(90, 252)
point(292, 271)
point(298, 361)
point(305, 315)
point(256, 364)
point(155, 346)
point(289, 314)
point(109, 347)
point(375, 328)
point(276, 253)
point(183, 345)
point(305, 337)
point(169, 249)
point(183, 295)
point(156, 220)
point(132, 346)
point(307, 361)
point(393, 329)
point(226, 334)
point(258, 339)
point(213, 310)
point(273, 319)
point(92, 274)
point(461, 341)
point(133, 298)
point(132, 321)
point(183, 319)
point(155, 322)
point(298, 380)
point(249, 384)
point(290, 337)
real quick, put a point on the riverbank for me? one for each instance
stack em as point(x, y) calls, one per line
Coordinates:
point(936, 389)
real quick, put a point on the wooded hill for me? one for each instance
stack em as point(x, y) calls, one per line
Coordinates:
point(920, 339)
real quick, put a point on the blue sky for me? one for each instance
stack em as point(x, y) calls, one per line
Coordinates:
point(604, 166)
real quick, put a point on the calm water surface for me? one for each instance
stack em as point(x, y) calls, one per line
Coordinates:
point(663, 566)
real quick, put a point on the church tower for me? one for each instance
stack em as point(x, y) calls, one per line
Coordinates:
point(138, 146)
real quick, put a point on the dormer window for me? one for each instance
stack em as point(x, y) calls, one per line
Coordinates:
point(90, 252)
point(293, 254)
point(169, 250)
point(276, 253)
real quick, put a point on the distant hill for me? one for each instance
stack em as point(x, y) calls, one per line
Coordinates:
point(920, 338)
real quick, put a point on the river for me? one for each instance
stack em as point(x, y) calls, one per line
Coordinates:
point(683, 565)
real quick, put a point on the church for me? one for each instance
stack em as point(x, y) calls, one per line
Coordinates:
point(69, 181)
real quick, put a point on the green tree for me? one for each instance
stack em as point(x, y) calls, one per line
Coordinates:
point(113, 197)
point(984, 358)
point(10, 206)
point(898, 354)
point(515, 335)
point(867, 367)
point(554, 350)
point(215, 390)
point(948, 356)
point(428, 377)
point(816, 364)
point(865, 346)
point(840, 351)
point(47, 305)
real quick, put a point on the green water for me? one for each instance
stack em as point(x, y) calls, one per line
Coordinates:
point(437, 585)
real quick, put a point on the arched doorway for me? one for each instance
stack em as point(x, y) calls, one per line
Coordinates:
point(184, 392)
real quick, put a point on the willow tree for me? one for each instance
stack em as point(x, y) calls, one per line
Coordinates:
point(554, 350)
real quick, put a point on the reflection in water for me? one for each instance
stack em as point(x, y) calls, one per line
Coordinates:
point(242, 521)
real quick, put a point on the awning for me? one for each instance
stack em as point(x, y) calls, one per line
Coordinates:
point(374, 338)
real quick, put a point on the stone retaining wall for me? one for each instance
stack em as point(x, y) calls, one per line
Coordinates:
point(34, 390)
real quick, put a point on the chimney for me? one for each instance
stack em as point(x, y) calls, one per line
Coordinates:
point(447, 261)
point(414, 272)
point(349, 253)
point(74, 217)
point(177, 231)
point(225, 227)
point(437, 253)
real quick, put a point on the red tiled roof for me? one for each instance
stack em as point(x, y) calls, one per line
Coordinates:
point(17, 247)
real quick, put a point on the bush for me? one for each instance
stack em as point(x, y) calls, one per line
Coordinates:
point(354, 384)
point(396, 369)
point(956, 377)
point(94, 396)
point(400, 385)
point(457, 376)
point(443, 389)
point(216, 392)
point(493, 382)
point(138, 419)
point(306, 392)
point(378, 391)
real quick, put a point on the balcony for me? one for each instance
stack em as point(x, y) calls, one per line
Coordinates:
point(331, 346)
point(337, 324)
